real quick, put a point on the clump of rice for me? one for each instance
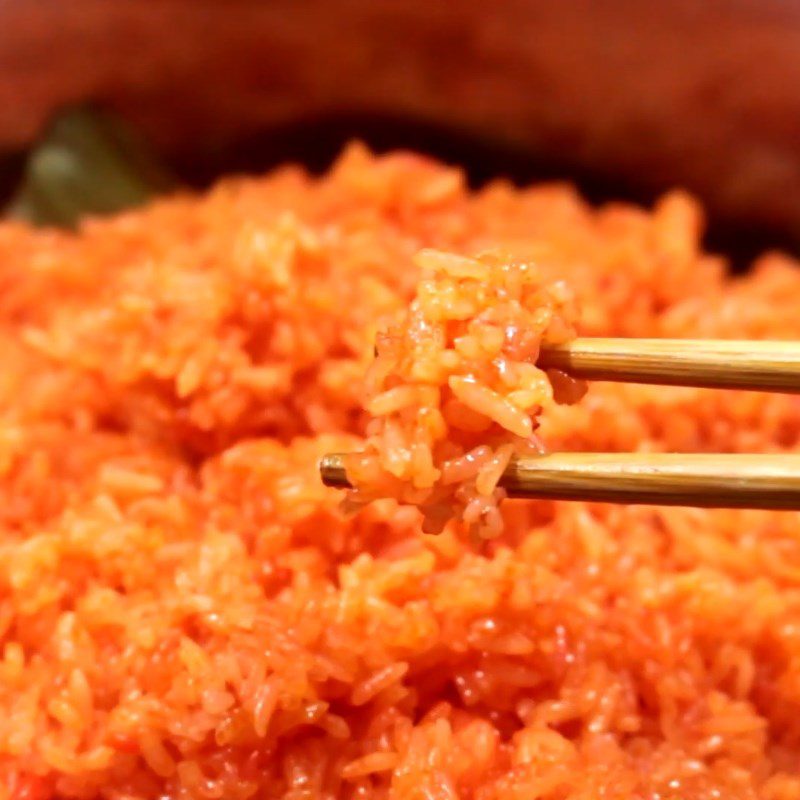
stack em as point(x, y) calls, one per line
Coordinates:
point(186, 613)
point(455, 391)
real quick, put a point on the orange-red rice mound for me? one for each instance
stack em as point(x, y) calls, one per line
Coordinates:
point(186, 613)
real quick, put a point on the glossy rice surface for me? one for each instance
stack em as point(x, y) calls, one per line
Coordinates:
point(185, 612)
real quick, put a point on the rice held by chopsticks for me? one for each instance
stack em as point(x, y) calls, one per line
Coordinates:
point(455, 391)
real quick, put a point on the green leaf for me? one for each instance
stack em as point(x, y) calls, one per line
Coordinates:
point(87, 163)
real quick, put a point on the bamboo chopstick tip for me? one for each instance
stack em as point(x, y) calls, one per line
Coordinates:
point(331, 470)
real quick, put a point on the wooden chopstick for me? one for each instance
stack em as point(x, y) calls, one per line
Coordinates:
point(667, 479)
point(714, 364)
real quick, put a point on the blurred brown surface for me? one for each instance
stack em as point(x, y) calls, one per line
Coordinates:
point(663, 92)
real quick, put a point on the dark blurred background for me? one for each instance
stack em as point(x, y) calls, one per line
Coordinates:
point(626, 97)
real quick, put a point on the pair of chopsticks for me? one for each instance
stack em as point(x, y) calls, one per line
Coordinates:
point(676, 479)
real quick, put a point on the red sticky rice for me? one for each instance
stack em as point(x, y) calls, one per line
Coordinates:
point(186, 613)
point(455, 391)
